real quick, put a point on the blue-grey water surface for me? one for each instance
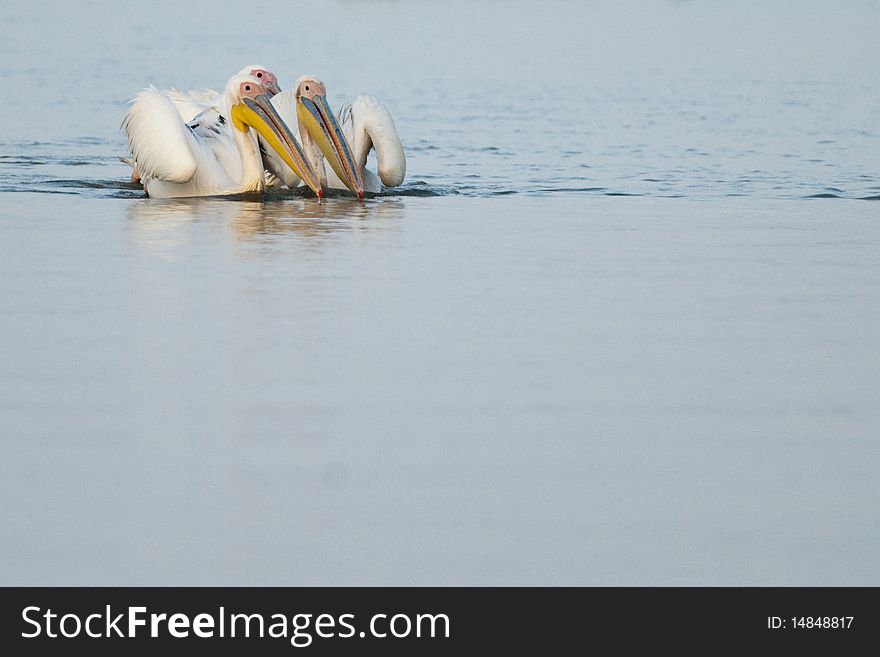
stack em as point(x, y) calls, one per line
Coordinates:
point(619, 326)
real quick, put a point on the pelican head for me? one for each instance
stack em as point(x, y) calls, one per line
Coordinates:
point(266, 77)
point(250, 107)
point(315, 115)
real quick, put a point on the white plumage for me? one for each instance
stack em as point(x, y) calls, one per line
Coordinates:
point(206, 156)
point(366, 123)
point(193, 102)
point(162, 145)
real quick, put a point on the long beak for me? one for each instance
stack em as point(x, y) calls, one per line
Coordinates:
point(259, 114)
point(316, 116)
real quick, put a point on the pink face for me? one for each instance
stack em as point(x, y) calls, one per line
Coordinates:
point(251, 89)
point(309, 88)
point(268, 78)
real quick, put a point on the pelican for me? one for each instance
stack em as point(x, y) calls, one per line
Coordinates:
point(366, 124)
point(173, 158)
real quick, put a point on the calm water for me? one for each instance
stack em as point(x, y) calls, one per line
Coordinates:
point(618, 327)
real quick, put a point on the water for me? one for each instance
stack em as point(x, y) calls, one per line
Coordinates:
point(618, 326)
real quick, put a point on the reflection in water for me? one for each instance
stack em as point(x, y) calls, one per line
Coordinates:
point(163, 225)
point(309, 217)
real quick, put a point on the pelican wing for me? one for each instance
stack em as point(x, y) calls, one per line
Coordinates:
point(212, 131)
point(346, 122)
point(162, 145)
point(367, 124)
point(208, 123)
point(193, 102)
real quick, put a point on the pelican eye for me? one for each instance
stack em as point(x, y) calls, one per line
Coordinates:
point(260, 74)
point(247, 87)
point(307, 87)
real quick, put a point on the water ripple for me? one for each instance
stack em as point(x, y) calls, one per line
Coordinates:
point(91, 166)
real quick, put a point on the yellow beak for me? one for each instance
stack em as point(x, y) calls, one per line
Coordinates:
point(316, 116)
point(259, 114)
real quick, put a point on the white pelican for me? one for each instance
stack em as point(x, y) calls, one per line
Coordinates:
point(366, 124)
point(174, 158)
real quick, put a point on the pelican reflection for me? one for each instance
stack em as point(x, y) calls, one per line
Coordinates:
point(165, 225)
point(305, 217)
